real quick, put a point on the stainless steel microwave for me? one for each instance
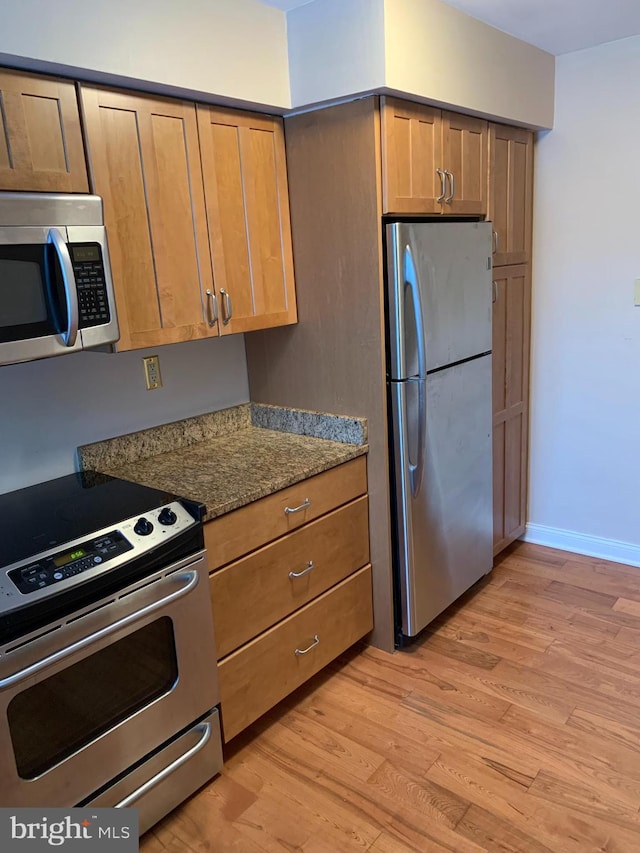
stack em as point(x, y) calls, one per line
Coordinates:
point(56, 293)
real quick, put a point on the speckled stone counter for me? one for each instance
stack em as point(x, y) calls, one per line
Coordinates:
point(224, 459)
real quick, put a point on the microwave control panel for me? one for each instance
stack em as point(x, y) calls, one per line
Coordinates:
point(88, 267)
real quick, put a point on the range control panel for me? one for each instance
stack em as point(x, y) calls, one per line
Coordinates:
point(88, 267)
point(103, 551)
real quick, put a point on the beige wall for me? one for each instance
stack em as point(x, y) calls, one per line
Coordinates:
point(231, 48)
point(437, 52)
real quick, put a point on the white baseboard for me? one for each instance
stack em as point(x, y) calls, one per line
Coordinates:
point(591, 546)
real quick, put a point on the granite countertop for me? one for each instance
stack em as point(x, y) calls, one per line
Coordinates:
point(229, 458)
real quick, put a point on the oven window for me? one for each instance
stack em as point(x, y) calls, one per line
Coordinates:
point(56, 717)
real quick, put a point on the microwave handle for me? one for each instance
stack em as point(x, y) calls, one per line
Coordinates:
point(69, 279)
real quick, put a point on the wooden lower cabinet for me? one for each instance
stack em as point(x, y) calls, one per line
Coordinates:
point(286, 574)
point(289, 590)
point(260, 674)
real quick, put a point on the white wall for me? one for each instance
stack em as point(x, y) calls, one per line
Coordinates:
point(585, 404)
point(336, 49)
point(423, 49)
point(49, 407)
point(230, 48)
point(437, 52)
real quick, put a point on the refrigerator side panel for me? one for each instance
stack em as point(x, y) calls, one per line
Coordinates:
point(453, 263)
point(446, 528)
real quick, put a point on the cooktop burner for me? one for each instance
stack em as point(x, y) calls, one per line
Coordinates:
point(39, 518)
point(65, 542)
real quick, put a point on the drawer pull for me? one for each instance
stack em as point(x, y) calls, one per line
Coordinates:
point(306, 503)
point(314, 643)
point(310, 568)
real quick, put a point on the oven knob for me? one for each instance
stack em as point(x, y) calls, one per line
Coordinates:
point(143, 527)
point(167, 517)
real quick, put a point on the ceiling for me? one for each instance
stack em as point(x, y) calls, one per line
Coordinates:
point(557, 26)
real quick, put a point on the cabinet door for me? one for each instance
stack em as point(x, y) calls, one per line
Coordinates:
point(464, 141)
point(145, 163)
point(40, 138)
point(245, 182)
point(411, 156)
point(510, 193)
point(511, 340)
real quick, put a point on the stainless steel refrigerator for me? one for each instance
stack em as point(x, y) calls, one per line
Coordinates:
point(439, 333)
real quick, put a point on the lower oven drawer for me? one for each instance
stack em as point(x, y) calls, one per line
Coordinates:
point(171, 774)
point(261, 673)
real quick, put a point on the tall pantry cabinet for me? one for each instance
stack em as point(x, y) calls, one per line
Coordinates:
point(348, 165)
point(510, 189)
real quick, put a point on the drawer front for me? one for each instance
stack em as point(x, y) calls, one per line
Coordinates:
point(252, 526)
point(267, 669)
point(252, 594)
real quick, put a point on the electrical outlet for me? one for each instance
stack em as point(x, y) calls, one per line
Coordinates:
point(152, 372)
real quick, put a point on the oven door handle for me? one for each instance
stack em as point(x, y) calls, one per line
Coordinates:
point(190, 580)
point(205, 734)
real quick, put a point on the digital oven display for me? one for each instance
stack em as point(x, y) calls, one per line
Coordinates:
point(63, 559)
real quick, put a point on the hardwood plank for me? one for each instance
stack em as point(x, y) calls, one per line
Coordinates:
point(512, 724)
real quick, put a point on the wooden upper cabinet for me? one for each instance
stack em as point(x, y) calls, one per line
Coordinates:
point(464, 142)
point(145, 163)
point(511, 338)
point(411, 154)
point(432, 161)
point(510, 193)
point(40, 138)
point(245, 183)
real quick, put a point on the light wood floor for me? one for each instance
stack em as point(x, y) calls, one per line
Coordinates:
point(514, 725)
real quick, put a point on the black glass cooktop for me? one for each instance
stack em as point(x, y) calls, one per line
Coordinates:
point(37, 518)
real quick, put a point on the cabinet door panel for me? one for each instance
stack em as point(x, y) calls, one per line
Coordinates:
point(465, 156)
point(511, 341)
point(245, 182)
point(145, 164)
point(510, 192)
point(40, 138)
point(412, 153)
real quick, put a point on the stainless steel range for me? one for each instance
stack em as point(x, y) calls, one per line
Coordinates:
point(108, 685)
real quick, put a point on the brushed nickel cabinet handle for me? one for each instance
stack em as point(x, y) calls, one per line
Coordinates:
point(314, 643)
point(452, 186)
point(227, 308)
point(496, 242)
point(306, 503)
point(444, 185)
point(310, 568)
point(212, 307)
point(495, 291)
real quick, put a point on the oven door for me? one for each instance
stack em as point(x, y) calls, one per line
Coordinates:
point(87, 699)
point(38, 295)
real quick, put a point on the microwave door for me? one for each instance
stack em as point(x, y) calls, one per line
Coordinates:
point(38, 299)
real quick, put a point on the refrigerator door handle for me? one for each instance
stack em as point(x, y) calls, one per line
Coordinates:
point(416, 471)
point(410, 275)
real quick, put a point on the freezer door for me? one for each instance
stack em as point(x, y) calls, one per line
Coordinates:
point(439, 289)
point(443, 487)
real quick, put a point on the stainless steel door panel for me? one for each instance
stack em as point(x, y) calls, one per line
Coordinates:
point(445, 530)
point(452, 261)
point(179, 593)
point(169, 776)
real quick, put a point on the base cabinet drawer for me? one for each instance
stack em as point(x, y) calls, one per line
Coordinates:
point(232, 535)
point(264, 671)
point(255, 592)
